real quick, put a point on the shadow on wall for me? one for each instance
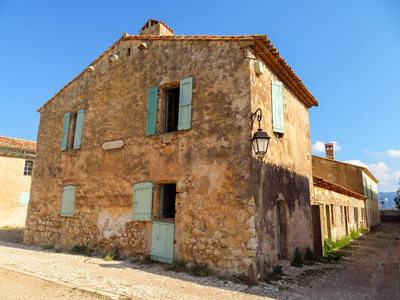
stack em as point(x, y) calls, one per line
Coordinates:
point(281, 196)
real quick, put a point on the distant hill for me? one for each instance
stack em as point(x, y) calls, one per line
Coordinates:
point(388, 197)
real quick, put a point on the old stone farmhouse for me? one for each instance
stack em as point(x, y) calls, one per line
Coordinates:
point(345, 198)
point(148, 150)
point(16, 162)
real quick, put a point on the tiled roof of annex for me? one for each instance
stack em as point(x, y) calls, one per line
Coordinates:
point(17, 144)
point(260, 44)
point(321, 182)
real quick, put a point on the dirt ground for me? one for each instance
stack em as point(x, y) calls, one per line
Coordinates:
point(18, 286)
point(370, 270)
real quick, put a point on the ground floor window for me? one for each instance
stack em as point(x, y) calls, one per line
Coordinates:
point(167, 203)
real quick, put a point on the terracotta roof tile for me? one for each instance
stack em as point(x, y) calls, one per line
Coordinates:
point(321, 182)
point(261, 45)
point(17, 144)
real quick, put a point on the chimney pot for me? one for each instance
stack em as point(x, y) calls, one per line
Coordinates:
point(329, 150)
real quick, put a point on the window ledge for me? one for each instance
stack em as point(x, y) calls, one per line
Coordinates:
point(165, 220)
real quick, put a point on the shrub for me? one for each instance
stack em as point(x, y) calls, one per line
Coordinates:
point(200, 270)
point(310, 255)
point(364, 230)
point(298, 259)
point(82, 249)
point(178, 266)
point(112, 255)
point(48, 247)
point(354, 234)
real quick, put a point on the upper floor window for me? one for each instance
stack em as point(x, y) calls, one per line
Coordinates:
point(28, 168)
point(72, 130)
point(177, 108)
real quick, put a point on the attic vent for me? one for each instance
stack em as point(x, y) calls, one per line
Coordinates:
point(148, 24)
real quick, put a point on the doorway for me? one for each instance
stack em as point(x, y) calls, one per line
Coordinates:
point(282, 230)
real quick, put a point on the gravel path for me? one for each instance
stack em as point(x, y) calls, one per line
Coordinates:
point(370, 271)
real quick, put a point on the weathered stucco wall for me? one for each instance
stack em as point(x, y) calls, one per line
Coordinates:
point(372, 203)
point(12, 183)
point(283, 180)
point(339, 201)
point(340, 173)
point(210, 164)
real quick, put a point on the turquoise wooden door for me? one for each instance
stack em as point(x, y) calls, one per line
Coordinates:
point(162, 242)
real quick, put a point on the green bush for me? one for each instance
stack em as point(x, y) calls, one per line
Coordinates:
point(298, 258)
point(82, 249)
point(178, 266)
point(112, 255)
point(364, 230)
point(200, 270)
point(354, 234)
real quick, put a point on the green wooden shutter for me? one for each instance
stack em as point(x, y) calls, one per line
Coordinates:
point(78, 128)
point(68, 199)
point(64, 140)
point(24, 198)
point(162, 242)
point(185, 104)
point(151, 111)
point(277, 107)
point(142, 201)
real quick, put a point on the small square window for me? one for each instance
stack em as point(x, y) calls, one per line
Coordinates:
point(28, 168)
point(167, 204)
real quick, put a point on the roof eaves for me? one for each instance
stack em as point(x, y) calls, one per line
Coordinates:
point(321, 182)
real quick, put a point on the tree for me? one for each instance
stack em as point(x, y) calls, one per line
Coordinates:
point(397, 199)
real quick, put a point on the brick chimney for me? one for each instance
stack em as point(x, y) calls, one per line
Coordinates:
point(153, 27)
point(330, 153)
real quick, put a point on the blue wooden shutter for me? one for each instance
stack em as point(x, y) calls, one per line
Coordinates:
point(78, 128)
point(64, 140)
point(151, 111)
point(24, 198)
point(277, 107)
point(68, 199)
point(162, 242)
point(185, 104)
point(142, 201)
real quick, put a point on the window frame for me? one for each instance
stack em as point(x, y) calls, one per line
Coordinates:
point(28, 170)
point(163, 197)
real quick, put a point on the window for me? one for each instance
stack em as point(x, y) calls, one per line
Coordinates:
point(332, 215)
point(341, 214)
point(24, 198)
point(68, 199)
point(73, 123)
point(277, 107)
point(177, 108)
point(28, 168)
point(171, 110)
point(355, 214)
point(167, 204)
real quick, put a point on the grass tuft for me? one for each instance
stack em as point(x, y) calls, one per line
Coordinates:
point(114, 255)
point(178, 266)
point(82, 249)
point(298, 258)
point(200, 270)
point(48, 247)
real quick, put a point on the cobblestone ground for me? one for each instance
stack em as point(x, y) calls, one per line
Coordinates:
point(370, 271)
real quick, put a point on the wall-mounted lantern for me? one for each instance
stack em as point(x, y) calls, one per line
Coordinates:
point(260, 139)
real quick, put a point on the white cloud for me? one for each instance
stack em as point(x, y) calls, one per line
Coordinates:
point(320, 146)
point(336, 146)
point(357, 163)
point(388, 180)
point(394, 153)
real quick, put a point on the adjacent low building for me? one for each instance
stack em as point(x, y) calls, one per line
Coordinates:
point(16, 164)
point(148, 151)
point(345, 198)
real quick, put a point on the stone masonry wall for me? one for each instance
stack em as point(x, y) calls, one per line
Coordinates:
point(282, 182)
point(210, 164)
point(339, 201)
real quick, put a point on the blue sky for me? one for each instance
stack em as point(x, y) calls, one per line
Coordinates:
point(346, 53)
